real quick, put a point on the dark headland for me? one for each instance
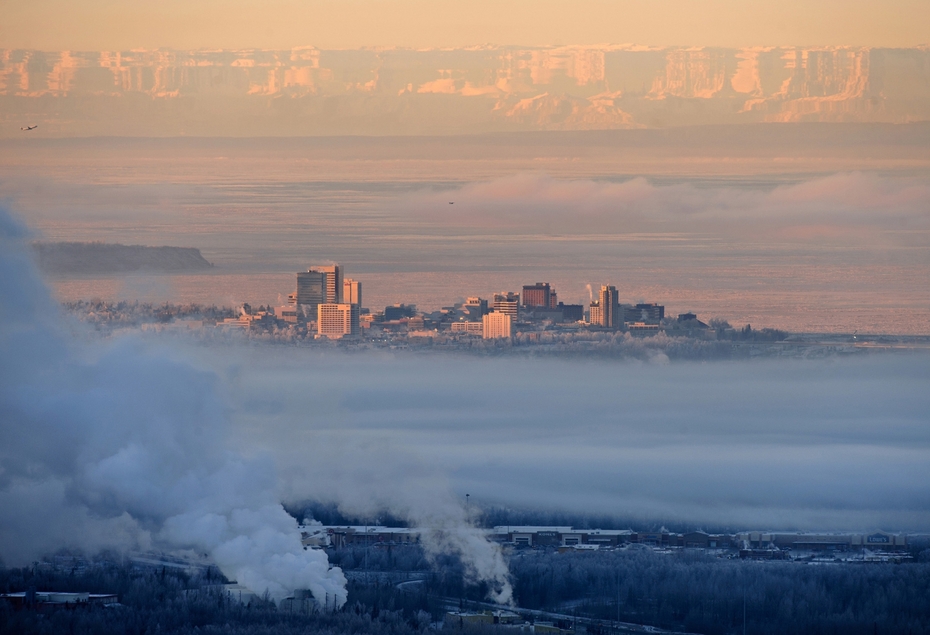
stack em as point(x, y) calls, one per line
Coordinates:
point(103, 258)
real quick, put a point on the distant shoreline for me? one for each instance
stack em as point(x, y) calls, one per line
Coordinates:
point(94, 258)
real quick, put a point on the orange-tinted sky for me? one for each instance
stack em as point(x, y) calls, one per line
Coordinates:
point(121, 24)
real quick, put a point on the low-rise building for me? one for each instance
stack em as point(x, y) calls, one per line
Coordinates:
point(468, 328)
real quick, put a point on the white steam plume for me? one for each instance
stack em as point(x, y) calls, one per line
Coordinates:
point(121, 447)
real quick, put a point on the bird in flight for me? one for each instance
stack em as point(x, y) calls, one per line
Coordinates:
point(27, 128)
point(451, 202)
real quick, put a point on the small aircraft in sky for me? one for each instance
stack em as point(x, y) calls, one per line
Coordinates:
point(27, 128)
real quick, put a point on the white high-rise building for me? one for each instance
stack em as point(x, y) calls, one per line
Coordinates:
point(496, 325)
point(352, 292)
point(336, 321)
point(606, 312)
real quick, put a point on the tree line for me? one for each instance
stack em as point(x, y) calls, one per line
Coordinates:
point(684, 590)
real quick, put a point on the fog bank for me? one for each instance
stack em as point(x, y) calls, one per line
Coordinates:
point(829, 444)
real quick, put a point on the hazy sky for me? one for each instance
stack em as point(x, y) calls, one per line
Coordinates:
point(114, 24)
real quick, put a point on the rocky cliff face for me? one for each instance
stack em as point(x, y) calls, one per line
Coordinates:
point(311, 91)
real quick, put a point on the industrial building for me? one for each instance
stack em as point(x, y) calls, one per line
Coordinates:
point(365, 535)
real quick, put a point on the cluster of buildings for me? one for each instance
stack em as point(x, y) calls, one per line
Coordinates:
point(756, 544)
point(330, 306)
point(747, 543)
point(49, 600)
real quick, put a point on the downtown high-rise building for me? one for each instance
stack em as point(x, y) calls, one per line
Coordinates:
point(496, 325)
point(605, 311)
point(338, 320)
point(536, 296)
point(334, 285)
point(352, 292)
point(508, 303)
point(320, 285)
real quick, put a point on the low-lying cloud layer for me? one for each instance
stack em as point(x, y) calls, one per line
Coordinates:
point(842, 205)
point(834, 444)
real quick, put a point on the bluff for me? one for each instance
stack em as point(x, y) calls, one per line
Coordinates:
point(103, 258)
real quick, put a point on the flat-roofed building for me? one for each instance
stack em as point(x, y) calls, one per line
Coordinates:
point(642, 329)
point(571, 312)
point(536, 296)
point(333, 275)
point(507, 303)
point(287, 313)
point(469, 328)
point(320, 285)
point(595, 316)
point(336, 321)
point(311, 289)
point(610, 314)
point(352, 292)
point(650, 313)
point(399, 312)
point(475, 307)
point(496, 325)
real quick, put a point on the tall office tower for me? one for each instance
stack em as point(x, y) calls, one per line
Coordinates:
point(508, 303)
point(553, 300)
point(352, 292)
point(536, 296)
point(322, 285)
point(496, 325)
point(311, 289)
point(337, 320)
point(610, 314)
point(333, 283)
